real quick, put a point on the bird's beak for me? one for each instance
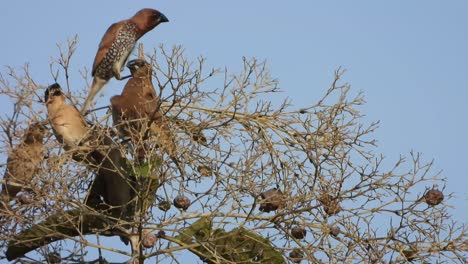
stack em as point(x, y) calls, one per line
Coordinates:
point(52, 90)
point(130, 64)
point(163, 18)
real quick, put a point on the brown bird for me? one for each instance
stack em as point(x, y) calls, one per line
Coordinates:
point(112, 184)
point(139, 105)
point(23, 162)
point(67, 122)
point(116, 46)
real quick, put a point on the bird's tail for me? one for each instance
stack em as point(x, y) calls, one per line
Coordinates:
point(97, 85)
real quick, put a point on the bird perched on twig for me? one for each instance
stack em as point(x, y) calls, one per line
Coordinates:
point(67, 123)
point(138, 109)
point(116, 46)
point(24, 161)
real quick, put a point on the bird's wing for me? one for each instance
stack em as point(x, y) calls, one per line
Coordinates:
point(20, 169)
point(151, 102)
point(106, 43)
point(123, 110)
point(70, 125)
point(71, 116)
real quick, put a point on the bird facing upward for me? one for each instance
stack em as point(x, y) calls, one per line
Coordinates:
point(139, 104)
point(116, 46)
point(23, 161)
point(67, 122)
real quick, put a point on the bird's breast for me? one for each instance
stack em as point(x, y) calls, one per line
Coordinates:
point(68, 130)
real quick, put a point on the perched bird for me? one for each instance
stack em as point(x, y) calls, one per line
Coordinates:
point(112, 189)
point(23, 162)
point(116, 46)
point(71, 130)
point(67, 122)
point(138, 106)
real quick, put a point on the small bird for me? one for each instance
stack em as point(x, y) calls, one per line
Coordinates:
point(23, 162)
point(67, 122)
point(112, 184)
point(139, 105)
point(71, 130)
point(116, 46)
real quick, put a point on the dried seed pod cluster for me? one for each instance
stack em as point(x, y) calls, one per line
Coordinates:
point(182, 202)
point(164, 206)
point(25, 198)
point(205, 171)
point(298, 232)
point(410, 254)
point(433, 197)
point(271, 200)
point(331, 205)
point(54, 258)
point(296, 255)
point(161, 234)
point(335, 230)
point(149, 240)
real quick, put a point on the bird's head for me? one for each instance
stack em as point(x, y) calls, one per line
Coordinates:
point(146, 19)
point(35, 132)
point(53, 90)
point(139, 68)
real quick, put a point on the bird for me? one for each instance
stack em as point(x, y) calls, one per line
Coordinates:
point(112, 184)
point(139, 105)
point(71, 130)
point(67, 123)
point(116, 45)
point(24, 161)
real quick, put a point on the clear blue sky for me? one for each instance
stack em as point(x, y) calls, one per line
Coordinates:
point(410, 58)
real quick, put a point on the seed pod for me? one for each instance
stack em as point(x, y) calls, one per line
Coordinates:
point(164, 206)
point(195, 131)
point(25, 198)
point(53, 258)
point(182, 202)
point(205, 171)
point(271, 200)
point(331, 205)
point(296, 255)
point(161, 234)
point(433, 197)
point(298, 232)
point(410, 254)
point(335, 230)
point(198, 136)
point(149, 240)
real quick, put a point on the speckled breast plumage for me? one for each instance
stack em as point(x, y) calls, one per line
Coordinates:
point(122, 46)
